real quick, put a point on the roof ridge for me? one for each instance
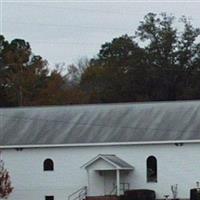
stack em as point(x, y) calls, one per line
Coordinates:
point(105, 104)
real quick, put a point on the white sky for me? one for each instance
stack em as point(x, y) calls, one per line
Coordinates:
point(64, 31)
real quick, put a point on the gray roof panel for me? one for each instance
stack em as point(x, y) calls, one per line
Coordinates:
point(117, 161)
point(139, 122)
point(114, 160)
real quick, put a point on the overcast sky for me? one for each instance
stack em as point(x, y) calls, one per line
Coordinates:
point(64, 31)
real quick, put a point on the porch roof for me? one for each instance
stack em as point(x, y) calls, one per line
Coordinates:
point(112, 159)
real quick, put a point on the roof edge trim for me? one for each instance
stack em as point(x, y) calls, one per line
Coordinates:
point(98, 144)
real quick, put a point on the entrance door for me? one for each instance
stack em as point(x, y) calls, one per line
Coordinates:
point(110, 182)
point(96, 183)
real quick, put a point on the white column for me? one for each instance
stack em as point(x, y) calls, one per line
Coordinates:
point(118, 181)
point(88, 185)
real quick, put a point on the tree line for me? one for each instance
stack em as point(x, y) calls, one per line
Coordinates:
point(160, 61)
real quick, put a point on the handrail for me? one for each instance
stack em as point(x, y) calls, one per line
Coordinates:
point(113, 189)
point(81, 193)
point(122, 189)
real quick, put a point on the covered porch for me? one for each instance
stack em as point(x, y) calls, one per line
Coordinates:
point(107, 175)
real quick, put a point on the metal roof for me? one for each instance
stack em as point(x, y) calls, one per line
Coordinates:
point(105, 123)
point(115, 161)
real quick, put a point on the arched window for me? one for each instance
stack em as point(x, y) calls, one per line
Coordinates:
point(48, 165)
point(151, 169)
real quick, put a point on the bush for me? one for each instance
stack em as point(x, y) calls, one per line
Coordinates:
point(194, 194)
point(139, 195)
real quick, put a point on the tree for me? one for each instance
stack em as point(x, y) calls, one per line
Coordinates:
point(173, 56)
point(5, 182)
point(75, 71)
point(21, 72)
point(161, 38)
point(25, 78)
point(163, 65)
point(107, 77)
point(3, 99)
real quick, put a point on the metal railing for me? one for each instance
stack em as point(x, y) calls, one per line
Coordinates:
point(123, 188)
point(79, 194)
point(114, 190)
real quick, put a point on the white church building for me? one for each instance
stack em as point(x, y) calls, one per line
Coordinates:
point(69, 152)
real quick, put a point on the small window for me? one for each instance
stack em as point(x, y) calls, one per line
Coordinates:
point(151, 169)
point(48, 165)
point(49, 197)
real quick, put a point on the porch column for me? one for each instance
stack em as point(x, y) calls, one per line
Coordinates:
point(118, 181)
